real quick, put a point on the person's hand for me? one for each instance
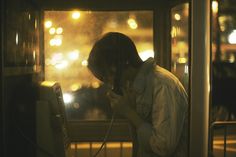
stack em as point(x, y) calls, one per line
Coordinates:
point(125, 106)
point(122, 104)
point(129, 93)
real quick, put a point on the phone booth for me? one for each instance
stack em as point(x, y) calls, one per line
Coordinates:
point(48, 89)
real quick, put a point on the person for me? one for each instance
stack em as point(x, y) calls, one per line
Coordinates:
point(149, 96)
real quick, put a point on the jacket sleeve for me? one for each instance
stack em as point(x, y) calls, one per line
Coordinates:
point(168, 115)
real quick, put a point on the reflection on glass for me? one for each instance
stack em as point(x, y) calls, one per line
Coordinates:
point(223, 32)
point(69, 37)
point(22, 42)
point(180, 43)
point(223, 60)
point(223, 72)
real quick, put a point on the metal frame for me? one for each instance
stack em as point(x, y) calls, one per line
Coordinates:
point(218, 124)
point(2, 105)
point(200, 78)
point(104, 5)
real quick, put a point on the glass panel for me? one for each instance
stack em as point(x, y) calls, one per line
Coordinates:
point(22, 42)
point(180, 43)
point(223, 107)
point(69, 37)
point(224, 32)
point(223, 60)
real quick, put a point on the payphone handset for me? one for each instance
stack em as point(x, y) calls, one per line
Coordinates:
point(51, 122)
point(117, 86)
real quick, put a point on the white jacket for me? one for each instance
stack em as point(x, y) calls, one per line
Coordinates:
point(162, 102)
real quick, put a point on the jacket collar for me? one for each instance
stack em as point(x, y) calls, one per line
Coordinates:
point(141, 77)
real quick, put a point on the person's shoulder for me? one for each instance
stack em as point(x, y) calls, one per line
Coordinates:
point(164, 79)
point(165, 76)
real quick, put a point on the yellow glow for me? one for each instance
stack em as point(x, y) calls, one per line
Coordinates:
point(98, 144)
point(34, 54)
point(75, 86)
point(59, 30)
point(214, 6)
point(47, 61)
point(146, 54)
point(175, 31)
point(132, 23)
point(127, 145)
point(52, 31)
point(35, 24)
point(74, 55)
point(177, 17)
point(182, 60)
point(48, 24)
point(82, 146)
point(231, 58)
point(48, 83)
point(222, 20)
point(95, 84)
point(222, 28)
point(182, 47)
point(113, 145)
point(61, 65)
point(112, 24)
point(84, 63)
point(76, 15)
point(219, 142)
point(72, 146)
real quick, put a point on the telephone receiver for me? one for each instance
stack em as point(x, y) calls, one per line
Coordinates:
point(117, 86)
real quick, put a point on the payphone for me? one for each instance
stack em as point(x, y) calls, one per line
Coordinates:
point(51, 123)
